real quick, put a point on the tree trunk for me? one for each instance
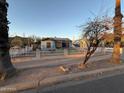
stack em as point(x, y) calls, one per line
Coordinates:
point(116, 53)
point(117, 32)
point(6, 67)
point(88, 54)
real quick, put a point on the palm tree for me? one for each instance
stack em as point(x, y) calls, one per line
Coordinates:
point(6, 67)
point(117, 32)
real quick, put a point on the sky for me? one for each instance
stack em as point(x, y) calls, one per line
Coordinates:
point(55, 18)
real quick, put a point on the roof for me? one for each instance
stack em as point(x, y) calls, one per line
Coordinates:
point(16, 47)
point(55, 38)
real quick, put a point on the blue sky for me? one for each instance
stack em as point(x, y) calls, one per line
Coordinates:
point(50, 18)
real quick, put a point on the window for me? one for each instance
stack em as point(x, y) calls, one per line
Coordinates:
point(48, 45)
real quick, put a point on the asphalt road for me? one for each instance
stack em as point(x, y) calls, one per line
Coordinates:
point(113, 84)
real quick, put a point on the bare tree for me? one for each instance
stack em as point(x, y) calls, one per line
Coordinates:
point(6, 67)
point(93, 34)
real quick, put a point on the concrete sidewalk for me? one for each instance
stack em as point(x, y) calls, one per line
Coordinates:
point(56, 62)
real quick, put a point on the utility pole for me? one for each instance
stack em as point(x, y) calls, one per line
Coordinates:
point(117, 32)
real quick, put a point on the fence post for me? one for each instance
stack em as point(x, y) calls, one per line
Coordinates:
point(37, 54)
point(122, 53)
point(65, 51)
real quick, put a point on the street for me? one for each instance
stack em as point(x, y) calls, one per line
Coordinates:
point(114, 84)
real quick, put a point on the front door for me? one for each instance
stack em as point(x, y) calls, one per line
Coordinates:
point(48, 44)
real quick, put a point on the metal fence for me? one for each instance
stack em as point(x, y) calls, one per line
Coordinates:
point(21, 52)
point(24, 53)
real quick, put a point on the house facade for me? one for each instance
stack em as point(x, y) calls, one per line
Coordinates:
point(55, 43)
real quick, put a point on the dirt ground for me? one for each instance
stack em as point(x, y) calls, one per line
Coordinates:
point(41, 73)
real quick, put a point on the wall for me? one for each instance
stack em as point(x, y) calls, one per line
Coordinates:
point(44, 45)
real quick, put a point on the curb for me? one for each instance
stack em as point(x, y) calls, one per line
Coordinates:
point(14, 88)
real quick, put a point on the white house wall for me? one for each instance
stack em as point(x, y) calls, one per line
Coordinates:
point(44, 45)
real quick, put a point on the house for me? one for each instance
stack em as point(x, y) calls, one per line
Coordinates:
point(55, 43)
